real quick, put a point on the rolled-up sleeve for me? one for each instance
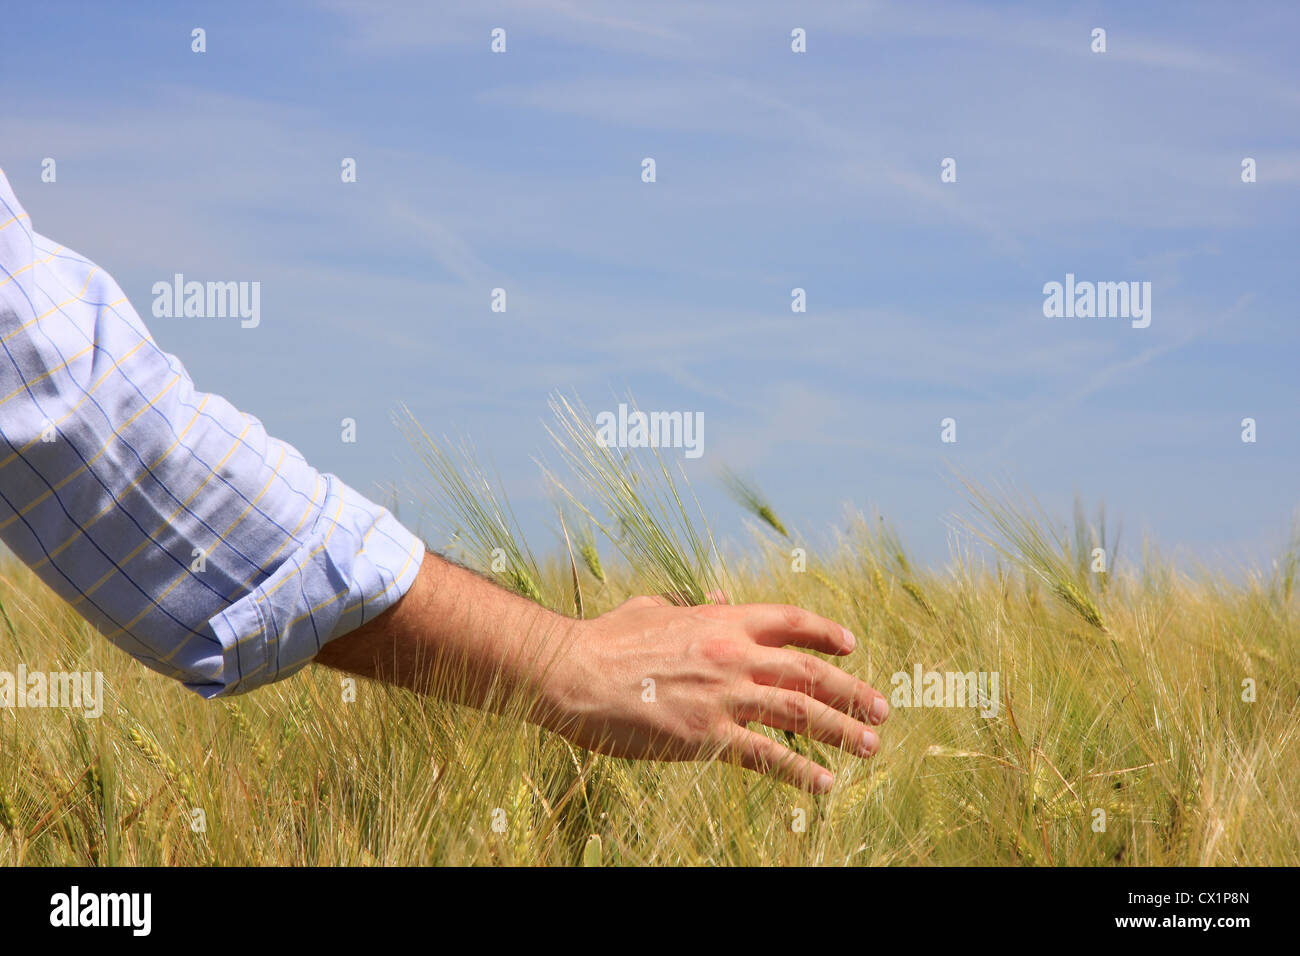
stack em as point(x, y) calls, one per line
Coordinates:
point(192, 539)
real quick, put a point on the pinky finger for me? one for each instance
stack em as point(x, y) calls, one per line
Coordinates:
point(762, 754)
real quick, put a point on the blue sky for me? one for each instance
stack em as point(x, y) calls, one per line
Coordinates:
point(775, 170)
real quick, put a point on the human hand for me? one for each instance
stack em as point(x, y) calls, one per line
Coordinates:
point(714, 668)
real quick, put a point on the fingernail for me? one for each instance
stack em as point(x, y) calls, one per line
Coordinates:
point(870, 743)
point(879, 710)
point(824, 782)
point(850, 641)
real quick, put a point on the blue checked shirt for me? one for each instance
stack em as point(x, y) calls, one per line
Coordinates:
point(191, 538)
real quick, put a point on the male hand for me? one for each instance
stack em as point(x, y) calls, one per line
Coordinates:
point(714, 669)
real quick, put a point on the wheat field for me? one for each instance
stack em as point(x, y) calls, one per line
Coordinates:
point(1142, 716)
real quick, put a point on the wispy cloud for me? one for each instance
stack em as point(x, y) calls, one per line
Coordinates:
point(819, 171)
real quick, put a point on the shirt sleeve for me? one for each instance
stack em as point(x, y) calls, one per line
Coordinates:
point(205, 548)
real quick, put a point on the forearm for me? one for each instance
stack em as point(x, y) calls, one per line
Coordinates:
point(459, 637)
point(645, 680)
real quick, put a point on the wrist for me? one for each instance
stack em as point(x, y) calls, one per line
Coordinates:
point(561, 676)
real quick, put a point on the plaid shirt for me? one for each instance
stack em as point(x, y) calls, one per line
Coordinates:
point(172, 521)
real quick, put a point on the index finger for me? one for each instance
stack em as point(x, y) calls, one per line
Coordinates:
point(778, 625)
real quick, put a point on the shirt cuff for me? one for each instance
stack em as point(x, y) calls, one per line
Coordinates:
point(357, 562)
